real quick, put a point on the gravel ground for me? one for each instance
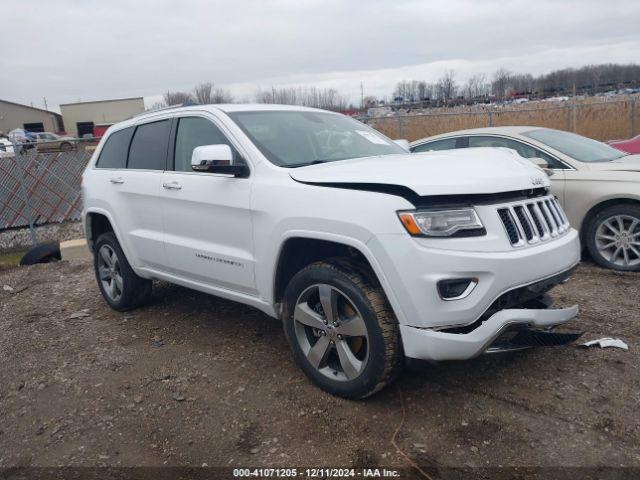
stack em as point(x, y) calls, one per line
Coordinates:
point(193, 379)
point(55, 232)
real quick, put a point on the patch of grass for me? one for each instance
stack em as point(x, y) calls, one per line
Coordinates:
point(11, 258)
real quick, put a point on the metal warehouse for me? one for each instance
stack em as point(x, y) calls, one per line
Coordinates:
point(93, 118)
point(15, 115)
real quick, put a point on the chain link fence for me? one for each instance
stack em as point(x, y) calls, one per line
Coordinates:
point(40, 183)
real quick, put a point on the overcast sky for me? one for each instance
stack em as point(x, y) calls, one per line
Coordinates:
point(70, 50)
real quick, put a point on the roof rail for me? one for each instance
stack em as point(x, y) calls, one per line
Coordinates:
point(162, 109)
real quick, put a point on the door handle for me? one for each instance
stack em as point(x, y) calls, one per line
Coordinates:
point(117, 180)
point(172, 186)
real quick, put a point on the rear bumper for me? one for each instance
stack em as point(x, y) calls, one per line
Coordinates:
point(427, 344)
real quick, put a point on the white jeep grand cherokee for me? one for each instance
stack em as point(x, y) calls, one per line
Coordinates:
point(367, 253)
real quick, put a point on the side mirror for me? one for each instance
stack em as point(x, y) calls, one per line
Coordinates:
point(216, 159)
point(543, 164)
point(403, 143)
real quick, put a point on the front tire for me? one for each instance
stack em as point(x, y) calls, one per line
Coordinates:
point(342, 331)
point(118, 283)
point(613, 237)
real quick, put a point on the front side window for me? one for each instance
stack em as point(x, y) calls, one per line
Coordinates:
point(114, 151)
point(524, 150)
point(299, 138)
point(195, 132)
point(575, 146)
point(149, 146)
point(444, 144)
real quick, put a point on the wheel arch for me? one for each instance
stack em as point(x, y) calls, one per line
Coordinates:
point(298, 251)
point(599, 207)
point(97, 222)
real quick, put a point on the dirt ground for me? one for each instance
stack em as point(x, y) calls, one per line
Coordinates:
point(192, 379)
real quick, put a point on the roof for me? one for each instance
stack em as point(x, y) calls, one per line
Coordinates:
point(102, 101)
point(230, 107)
point(30, 107)
point(247, 107)
point(509, 130)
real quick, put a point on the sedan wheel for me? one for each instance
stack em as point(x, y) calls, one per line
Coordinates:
point(618, 240)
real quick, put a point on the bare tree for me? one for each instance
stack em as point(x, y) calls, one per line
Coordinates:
point(203, 93)
point(475, 86)
point(220, 95)
point(500, 83)
point(446, 86)
point(177, 98)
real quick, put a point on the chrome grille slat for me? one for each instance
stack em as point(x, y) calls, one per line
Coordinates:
point(533, 221)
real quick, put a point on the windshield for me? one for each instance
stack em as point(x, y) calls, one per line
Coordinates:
point(575, 146)
point(297, 138)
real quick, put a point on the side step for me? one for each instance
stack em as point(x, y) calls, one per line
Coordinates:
point(520, 339)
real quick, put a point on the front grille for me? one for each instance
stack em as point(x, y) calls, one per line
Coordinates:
point(533, 221)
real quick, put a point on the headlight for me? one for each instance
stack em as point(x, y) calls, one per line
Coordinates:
point(441, 223)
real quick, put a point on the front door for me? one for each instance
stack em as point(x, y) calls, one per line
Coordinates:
point(207, 217)
point(526, 151)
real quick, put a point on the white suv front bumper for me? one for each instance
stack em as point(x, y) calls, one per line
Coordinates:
point(426, 344)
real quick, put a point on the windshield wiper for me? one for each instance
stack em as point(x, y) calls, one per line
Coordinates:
point(296, 165)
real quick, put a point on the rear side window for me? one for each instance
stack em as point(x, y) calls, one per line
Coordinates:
point(114, 152)
point(444, 144)
point(149, 146)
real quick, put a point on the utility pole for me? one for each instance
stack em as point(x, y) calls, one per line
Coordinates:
point(45, 103)
point(573, 105)
point(361, 95)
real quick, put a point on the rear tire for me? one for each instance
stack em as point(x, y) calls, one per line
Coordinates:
point(118, 283)
point(613, 237)
point(354, 350)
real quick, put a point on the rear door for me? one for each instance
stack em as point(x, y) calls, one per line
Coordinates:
point(132, 162)
point(207, 216)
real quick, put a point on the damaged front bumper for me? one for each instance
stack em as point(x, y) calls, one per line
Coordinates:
point(433, 345)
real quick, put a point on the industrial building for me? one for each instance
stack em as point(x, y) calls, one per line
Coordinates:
point(84, 119)
point(15, 115)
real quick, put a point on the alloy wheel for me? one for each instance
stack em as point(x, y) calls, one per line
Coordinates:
point(109, 272)
point(618, 240)
point(331, 332)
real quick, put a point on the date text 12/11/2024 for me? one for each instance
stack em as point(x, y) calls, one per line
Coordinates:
point(315, 472)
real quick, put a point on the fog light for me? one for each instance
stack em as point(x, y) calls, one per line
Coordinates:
point(456, 288)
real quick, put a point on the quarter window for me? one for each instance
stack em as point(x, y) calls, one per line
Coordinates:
point(444, 144)
point(149, 146)
point(114, 151)
point(195, 132)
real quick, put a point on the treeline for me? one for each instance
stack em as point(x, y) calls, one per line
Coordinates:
point(206, 93)
point(505, 84)
point(502, 84)
point(326, 98)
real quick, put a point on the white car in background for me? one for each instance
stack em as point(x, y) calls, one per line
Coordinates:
point(6, 148)
point(598, 186)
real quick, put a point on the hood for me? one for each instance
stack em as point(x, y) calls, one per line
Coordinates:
point(450, 172)
point(628, 163)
